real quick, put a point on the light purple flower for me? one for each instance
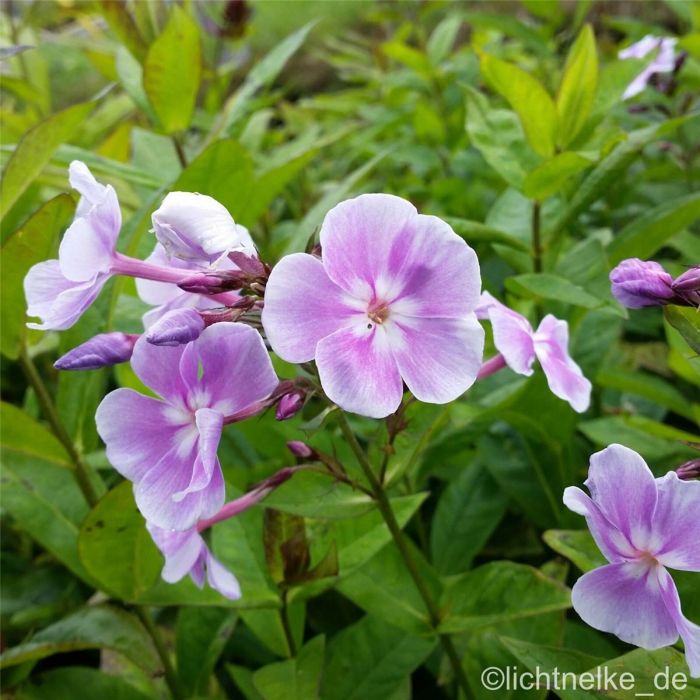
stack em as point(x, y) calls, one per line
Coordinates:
point(392, 301)
point(103, 350)
point(59, 291)
point(168, 447)
point(637, 283)
point(642, 525)
point(186, 552)
point(663, 61)
point(520, 345)
point(194, 226)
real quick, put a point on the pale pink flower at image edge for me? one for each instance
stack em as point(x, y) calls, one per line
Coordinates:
point(663, 61)
point(642, 525)
point(168, 447)
point(391, 301)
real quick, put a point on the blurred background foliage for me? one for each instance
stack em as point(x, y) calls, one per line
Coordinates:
point(505, 118)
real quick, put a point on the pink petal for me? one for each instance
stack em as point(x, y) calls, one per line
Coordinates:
point(302, 306)
point(626, 599)
point(564, 376)
point(689, 631)
point(137, 431)
point(91, 191)
point(438, 358)
point(58, 302)
point(221, 579)
point(181, 550)
point(676, 523)
point(363, 241)
point(236, 367)
point(209, 426)
point(359, 372)
point(611, 542)
point(83, 252)
point(512, 336)
point(624, 489)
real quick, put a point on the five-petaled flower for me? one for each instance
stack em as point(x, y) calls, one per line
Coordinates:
point(642, 525)
point(168, 447)
point(519, 345)
point(392, 301)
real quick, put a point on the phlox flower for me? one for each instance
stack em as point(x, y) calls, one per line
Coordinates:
point(519, 345)
point(663, 61)
point(168, 446)
point(185, 553)
point(193, 226)
point(391, 301)
point(642, 525)
point(638, 283)
point(59, 291)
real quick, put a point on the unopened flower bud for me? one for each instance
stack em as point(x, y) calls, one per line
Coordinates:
point(289, 405)
point(177, 327)
point(689, 470)
point(250, 264)
point(687, 286)
point(213, 281)
point(300, 449)
point(103, 350)
point(636, 284)
point(194, 226)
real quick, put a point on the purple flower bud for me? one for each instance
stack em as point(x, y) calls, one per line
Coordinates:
point(689, 470)
point(250, 264)
point(289, 405)
point(689, 281)
point(177, 327)
point(636, 284)
point(214, 281)
point(103, 350)
point(300, 449)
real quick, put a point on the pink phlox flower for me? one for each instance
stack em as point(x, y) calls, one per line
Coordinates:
point(663, 62)
point(392, 301)
point(168, 446)
point(642, 525)
point(520, 345)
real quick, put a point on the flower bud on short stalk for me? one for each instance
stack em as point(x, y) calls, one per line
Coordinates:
point(637, 283)
point(177, 327)
point(687, 286)
point(301, 450)
point(289, 405)
point(689, 470)
point(103, 350)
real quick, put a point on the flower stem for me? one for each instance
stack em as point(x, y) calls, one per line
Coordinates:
point(536, 238)
point(82, 471)
point(387, 513)
point(152, 629)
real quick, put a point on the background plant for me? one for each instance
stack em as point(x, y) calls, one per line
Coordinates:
point(507, 122)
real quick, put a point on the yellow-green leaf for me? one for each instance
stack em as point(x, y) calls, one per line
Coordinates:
point(550, 177)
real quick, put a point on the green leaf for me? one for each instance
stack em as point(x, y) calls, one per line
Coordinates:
point(499, 137)
point(370, 660)
point(475, 232)
point(528, 98)
point(497, 593)
point(576, 545)
point(443, 38)
point(467, 513)
point(286, 547)
point(295, 679)
point(93, 627)
point(70, 682)
point(548, 286)
point(577, 88)
point(117, 16)
point(644, 236)
point(35, 149)
point(172, 71)
point(547, 179)
point(201, 636)
point(130, 73)
point(686, 321)
point(115, 547)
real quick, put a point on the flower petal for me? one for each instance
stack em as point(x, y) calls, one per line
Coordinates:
point(137, 431)
point(209, 426)
point(181, 550)
point(58, 302)
point(302, 306)
point(221, 579)
point(689, 631)
point(362, 240)
point(512, 336)
point(611, 542)
point(626, 599)
point(83, 251)
point(564, 376)
point(359, 372)
point(236, 367)
point(676, 523)
point(623, 487)
point(438, 358)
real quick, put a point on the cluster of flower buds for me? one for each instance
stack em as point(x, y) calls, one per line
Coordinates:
point(637, 283)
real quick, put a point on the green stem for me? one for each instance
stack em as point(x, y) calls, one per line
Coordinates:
point(180, 152)
point(536, 238)
point(169, 671)
point(82, 471)
point(286, 626)
point(387, 512)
